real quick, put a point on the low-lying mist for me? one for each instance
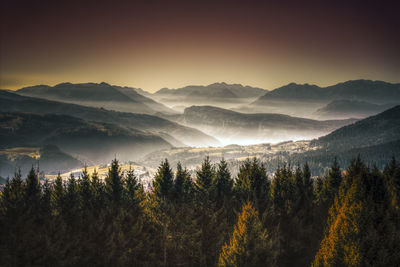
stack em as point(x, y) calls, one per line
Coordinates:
point(240, 136)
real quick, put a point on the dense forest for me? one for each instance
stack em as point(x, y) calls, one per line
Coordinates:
point(350, 217)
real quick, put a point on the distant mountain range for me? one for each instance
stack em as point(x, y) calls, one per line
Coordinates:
point(238, 127)
point(97, 95)
point(361, 90)
point(216, 94)
point(350, 108)
point(218, 90)
point(304, 100)
point(172, 132)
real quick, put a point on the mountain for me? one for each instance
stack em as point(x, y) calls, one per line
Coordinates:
point(304, 99)
point(361, 90)
point(49, 158)
point(374, 130)
point(142, 92)
point(215, 90)
point(350, 108)
point(172, 132)
point(95, 141)
point(97, 95)
point(135, 94)
point(240, 128)
point(216, 94)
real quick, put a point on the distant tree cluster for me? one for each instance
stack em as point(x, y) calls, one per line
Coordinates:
point(349, 218)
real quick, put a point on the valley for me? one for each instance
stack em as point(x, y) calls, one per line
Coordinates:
point(216, 121)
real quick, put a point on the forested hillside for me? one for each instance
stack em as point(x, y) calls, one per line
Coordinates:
point(349, 217)
point(172, 132)
point(374, 130)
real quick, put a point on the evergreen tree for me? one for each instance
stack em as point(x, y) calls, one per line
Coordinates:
point(98, 192)
point(71, 200)
point(12, 197)
point(163, 182)
point(46, 199)
point(204, 178)
point(183, 186)
point(57, 195)
point(307, 183)
point(252, 184)
point(248, 245)
point(32, 191)
point(85, 190)
point(134, 192)
point(222, 184)
point(361, 230)
point(179, 182)
point(114, 183)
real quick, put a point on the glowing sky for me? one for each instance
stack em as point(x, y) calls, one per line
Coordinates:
point(155, 44)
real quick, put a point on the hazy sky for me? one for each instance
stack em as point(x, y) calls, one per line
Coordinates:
point(155, 44)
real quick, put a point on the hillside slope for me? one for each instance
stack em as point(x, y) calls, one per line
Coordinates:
point(375, 130)
point(95, 141)
point(49, 159)
point(10, 102)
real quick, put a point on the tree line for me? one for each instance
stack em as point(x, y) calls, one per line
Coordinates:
point(346, 218)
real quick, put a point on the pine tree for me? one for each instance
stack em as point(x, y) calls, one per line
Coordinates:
point(46, 199)
point(222, 184)
point(183, 186)
point(252, 184)
point(134, 192)
point(361, 230)
point(204, 178)
point(163, 182)
point(248, 245)
point(71, 201)
point(334, 177)
point(307, 183)
point(98, 192)
point(179, 182)
point(392, 179)
point(242, 183)
point(57, 195)
point(85, 190)
point(32, 191)
point(114, 183)
point(12, 197)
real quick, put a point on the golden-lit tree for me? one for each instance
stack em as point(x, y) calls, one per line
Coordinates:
point(362, 227)
point(248, 245)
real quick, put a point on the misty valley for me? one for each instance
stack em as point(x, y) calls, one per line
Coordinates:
point(218, 175)
point(69, 126)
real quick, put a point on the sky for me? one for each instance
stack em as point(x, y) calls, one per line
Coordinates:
point(155, 44)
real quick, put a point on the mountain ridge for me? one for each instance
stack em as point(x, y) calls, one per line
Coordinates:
point(12, 102)
point(374, 130)
point(363, 90)
point(237, 90)
point(98, 95)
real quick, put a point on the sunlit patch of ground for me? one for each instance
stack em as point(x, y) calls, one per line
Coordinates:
point(12, 153)
point(142, 173)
